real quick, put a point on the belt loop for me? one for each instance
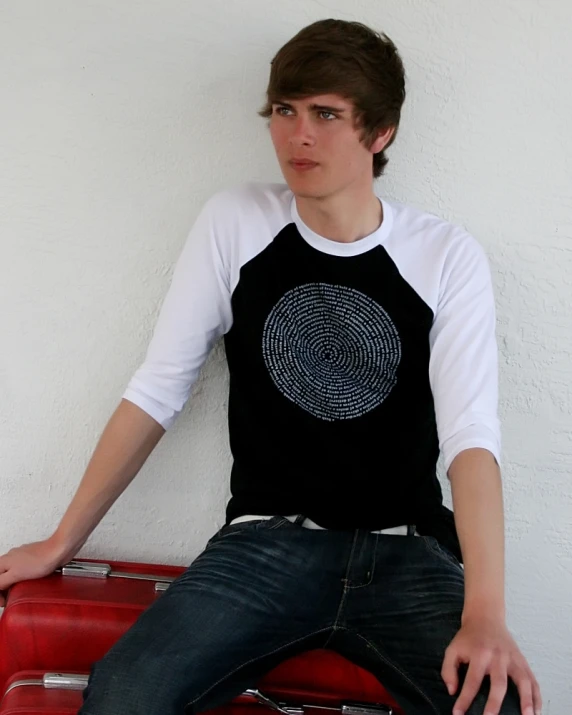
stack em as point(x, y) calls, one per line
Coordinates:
point(411, 530)
point(300, 519)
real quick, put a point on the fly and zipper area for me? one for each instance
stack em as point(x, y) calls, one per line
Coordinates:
point(359, 571)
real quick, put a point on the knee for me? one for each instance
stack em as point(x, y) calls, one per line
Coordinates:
point(123, 686)
point(110, 680)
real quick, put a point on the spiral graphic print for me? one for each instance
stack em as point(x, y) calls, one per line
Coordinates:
point(331, 350)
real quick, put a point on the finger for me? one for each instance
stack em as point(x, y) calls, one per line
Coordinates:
point(499, 683)
point(473, 682)
point(3, 570)
point(6, 580)
point(449, 671)
point(536, 696)
point(524, 686)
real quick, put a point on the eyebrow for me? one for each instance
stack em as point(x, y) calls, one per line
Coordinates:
point(318, 107)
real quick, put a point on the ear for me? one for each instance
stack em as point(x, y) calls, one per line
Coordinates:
point(383, 139)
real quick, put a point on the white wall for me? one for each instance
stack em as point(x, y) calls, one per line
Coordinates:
point(118, 120)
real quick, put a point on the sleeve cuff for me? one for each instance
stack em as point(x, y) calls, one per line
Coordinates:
point(469, 438)
point(164, 416)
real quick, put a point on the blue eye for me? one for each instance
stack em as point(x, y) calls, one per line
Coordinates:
point(279, 110)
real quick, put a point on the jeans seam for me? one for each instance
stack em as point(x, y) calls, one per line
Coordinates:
point(395, 667)
point(344, 592)
point(253, 660)
point(368, 583)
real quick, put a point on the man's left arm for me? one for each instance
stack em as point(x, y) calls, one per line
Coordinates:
point(484, 642)
point(463, 371)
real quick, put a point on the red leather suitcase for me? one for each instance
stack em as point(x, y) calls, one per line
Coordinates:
point(70, 619)
point(318, 682)
point(67, 621)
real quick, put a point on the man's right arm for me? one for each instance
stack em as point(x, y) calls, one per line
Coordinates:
point(125, 444)
point(195, 313)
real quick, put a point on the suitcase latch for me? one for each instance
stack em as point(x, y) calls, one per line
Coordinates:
point(91, 569)
point(64, 681)
point(272, 704)
point(366, 709)
point(87, 569)
point(347, 708)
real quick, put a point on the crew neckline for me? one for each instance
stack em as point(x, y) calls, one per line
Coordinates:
point(337, 248)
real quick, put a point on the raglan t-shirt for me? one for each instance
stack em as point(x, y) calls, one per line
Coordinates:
point(352, 365)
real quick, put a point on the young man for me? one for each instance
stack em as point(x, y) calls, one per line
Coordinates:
point(360, 338)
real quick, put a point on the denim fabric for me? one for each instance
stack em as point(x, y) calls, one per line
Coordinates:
point(262, 591)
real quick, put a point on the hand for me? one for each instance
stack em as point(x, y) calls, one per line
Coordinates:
point(27, 562)
point(489, 649)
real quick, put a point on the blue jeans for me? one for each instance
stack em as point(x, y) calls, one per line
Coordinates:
point(265, 590)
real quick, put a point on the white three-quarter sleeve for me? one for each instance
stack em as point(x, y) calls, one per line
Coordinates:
point(463, 366)
point(195, 313)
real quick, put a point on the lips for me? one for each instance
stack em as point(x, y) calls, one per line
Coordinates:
point(303, 162)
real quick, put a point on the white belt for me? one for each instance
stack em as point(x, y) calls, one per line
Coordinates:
point(309, 524)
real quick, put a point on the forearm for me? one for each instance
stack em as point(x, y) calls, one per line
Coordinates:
point(128, 439)
point(478, 507)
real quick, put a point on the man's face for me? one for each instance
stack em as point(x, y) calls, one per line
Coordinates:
point(320, 129)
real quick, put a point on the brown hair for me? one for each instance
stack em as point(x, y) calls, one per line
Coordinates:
point(348, 59)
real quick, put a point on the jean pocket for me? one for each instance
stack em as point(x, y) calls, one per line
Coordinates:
point(229, 529)
point(441, 551)
point(277, 521)
point(242, 527)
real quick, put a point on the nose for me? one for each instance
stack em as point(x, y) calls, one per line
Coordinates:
point(301, 131)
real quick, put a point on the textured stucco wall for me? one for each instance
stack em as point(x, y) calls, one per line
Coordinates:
point(119, 119)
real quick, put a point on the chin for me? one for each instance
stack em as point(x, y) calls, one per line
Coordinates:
point(305, 194)
point(303, 189)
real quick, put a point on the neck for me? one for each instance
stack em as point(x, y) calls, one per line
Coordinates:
point(341, 217)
